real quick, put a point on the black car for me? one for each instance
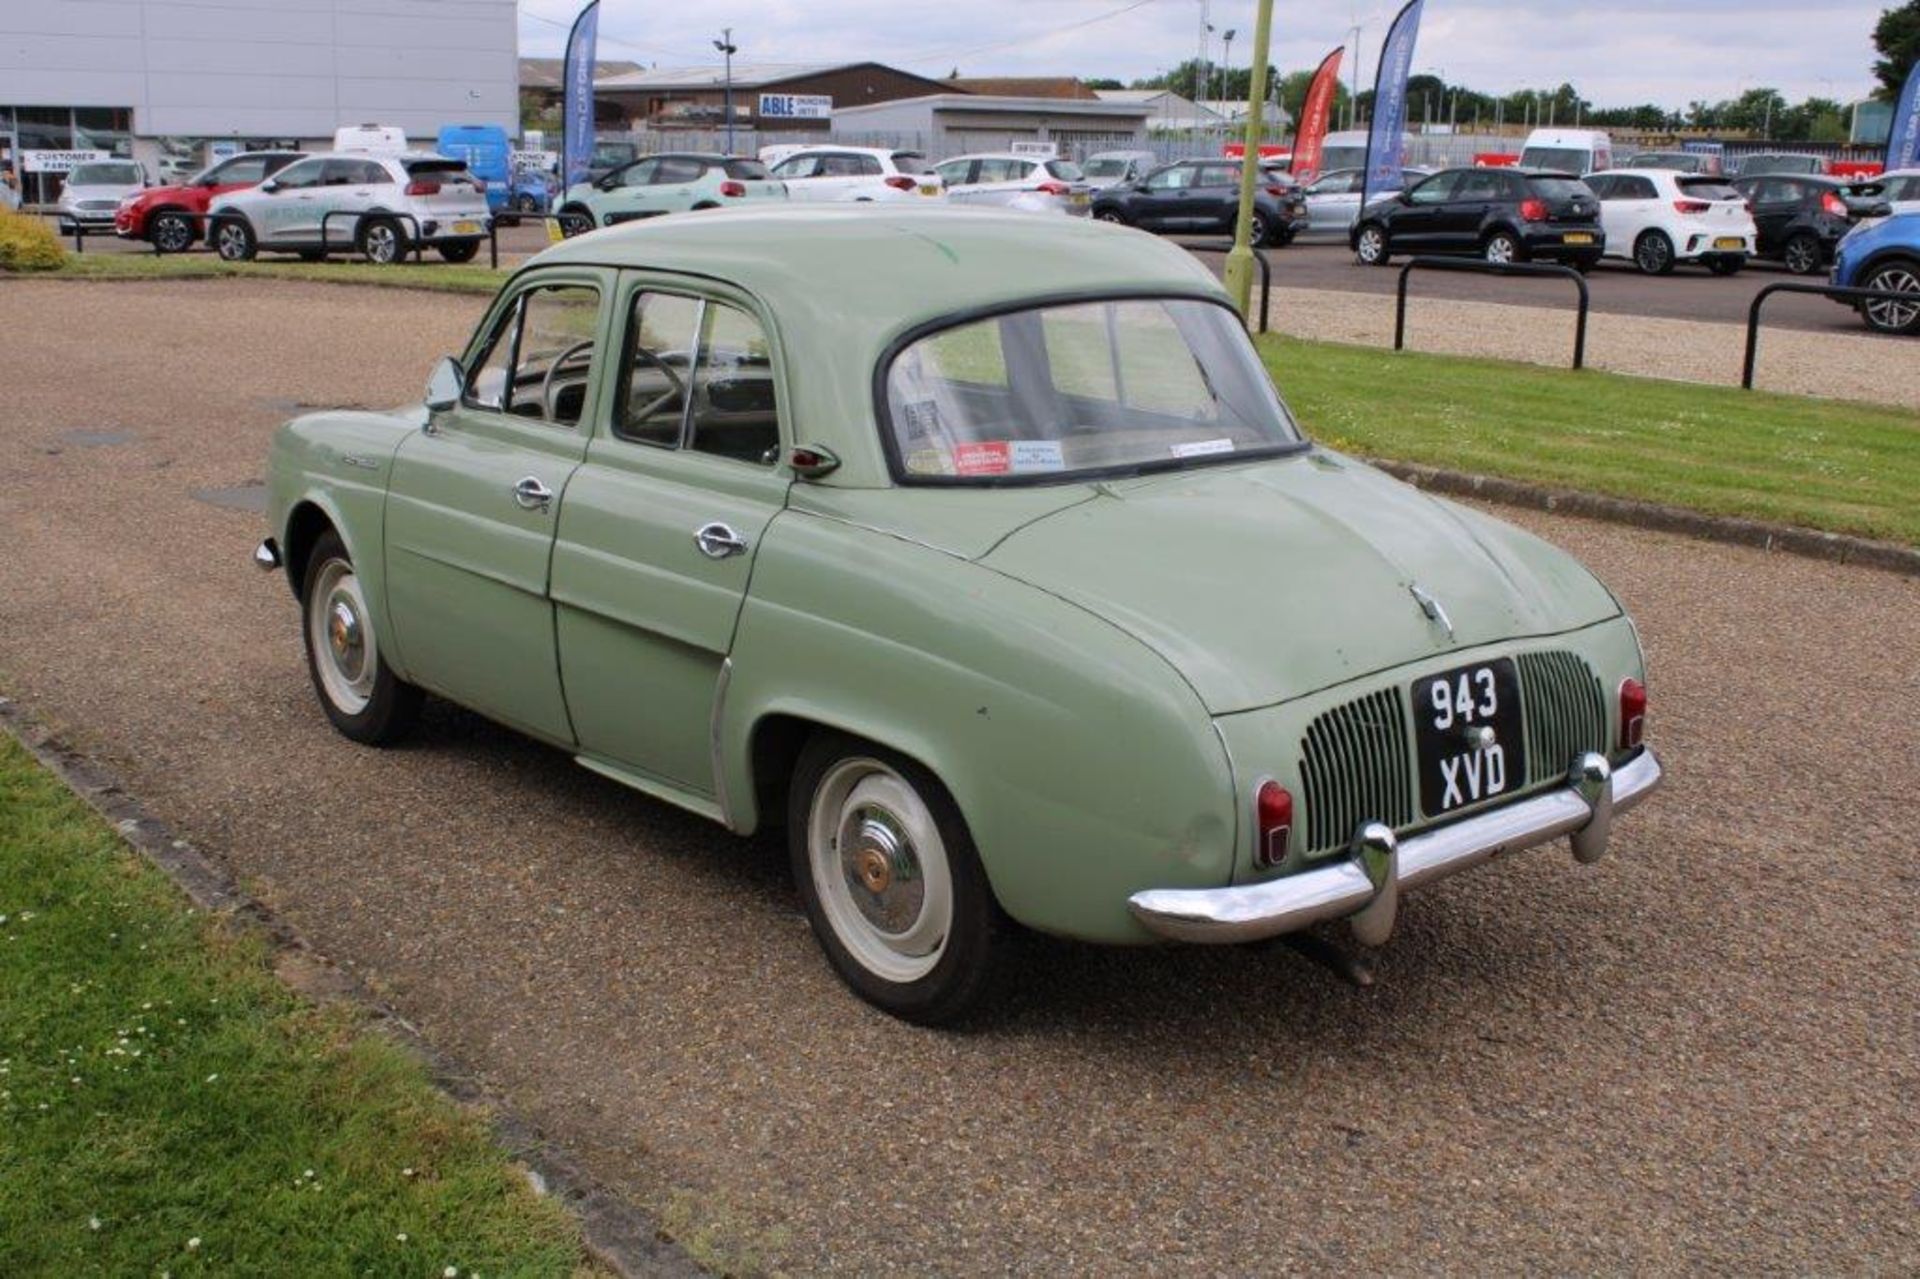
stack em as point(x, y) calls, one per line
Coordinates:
point(1503, 215)
point(1204, 196)
point(1801, 217)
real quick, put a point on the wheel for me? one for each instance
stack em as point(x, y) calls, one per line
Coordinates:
point(170, 232)
point(1110, 215)
point(462, 251)
point(1893, 317)
point(1653, 253)
point(357, 689)
point(1729, 264)
point(1502, 247)
point(382, 242)
point(891, 882)
point(1258, 230)
point(233, 240)
point(525, 203)
point(1370, 245)
point(1802, 254)
point(575, 219)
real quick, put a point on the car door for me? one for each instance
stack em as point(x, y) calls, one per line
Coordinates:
point(350, 187)
point(630, 193)
point(290, 212)
point(1631, 207)
point(660, 526)
point(1333, 201)
point(1776, 203)
point(1156, 206)
point(1414, 222)
point(999, 179)
point(801, 173)
point(956, 176)
point(1213, 201)
point(474, 497)
point(676, 183)
point(1464, 215)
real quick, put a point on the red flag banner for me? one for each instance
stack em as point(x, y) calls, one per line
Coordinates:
point(1311, 134)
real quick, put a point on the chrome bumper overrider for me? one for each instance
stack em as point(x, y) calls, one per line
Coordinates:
point(266, 556)
point(1367, 884)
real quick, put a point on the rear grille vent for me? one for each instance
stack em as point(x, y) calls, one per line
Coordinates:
point(1355, 767)
point(1566, 712)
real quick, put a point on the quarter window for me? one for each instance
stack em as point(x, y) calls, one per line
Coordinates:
point(538, 363)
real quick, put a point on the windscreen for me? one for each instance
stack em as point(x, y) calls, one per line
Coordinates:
point(1091, 388)
point(1105, 168)
point(104, 175)
point(1343, 157)
point(1569, 159)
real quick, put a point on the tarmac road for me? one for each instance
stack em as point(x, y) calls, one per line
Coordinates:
point(1701, 1054)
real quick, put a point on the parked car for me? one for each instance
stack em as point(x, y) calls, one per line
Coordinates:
point(1203, 196)
point(1800, 218)
point(92, 192)
point(674, 183)
point(173, 218)
point(1656, 218)
point(1762, 163)
point(1900, 188)
point(608, 154)
point(1031, 184)
point(1502, 215)
point(375, 205)
point(488, 154)
point(1701, 162)
point(1884, 256)
point(834, 174)
point(1568, 150)
point(1105, 169)
point(934, 577)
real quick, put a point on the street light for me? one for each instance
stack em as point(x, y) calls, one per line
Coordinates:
point(1226, 61)
point(727, 47)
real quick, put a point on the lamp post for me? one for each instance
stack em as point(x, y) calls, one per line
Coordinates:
point(1226, 61)
point(727, 48)
point(1239, 272)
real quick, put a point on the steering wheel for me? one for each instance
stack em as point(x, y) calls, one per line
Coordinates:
point(678, 387)
point(546, 383)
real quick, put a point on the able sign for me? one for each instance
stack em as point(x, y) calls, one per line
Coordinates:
point(796, 106)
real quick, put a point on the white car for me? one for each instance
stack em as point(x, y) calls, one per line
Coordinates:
point(833, 174)
point(1659, 217)
point(1898, 187)
point(1027, 183)
point(1116, 168)
point(376, 205)
point(92, 193)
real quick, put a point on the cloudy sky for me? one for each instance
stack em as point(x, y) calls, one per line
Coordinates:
point(1618, 52)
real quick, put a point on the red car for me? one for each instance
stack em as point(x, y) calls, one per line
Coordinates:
point(173, 218)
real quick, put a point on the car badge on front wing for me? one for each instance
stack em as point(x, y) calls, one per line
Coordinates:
point(1431, 607)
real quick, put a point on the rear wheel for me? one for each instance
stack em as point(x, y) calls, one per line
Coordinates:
point(891, 882)
point(1802, 254)
point(1730, 264)
point(1501, 248)
point(1893, 317)
point(1653, 253)
point(382, 242)
point(233, 240)
point(1370, 245)
point(1258, 230)
point(357, 689)
point(170, 232)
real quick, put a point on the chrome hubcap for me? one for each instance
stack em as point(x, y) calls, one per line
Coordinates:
point(170, 233)
point(880, 870)
point(1370, 245)
point(343, 648)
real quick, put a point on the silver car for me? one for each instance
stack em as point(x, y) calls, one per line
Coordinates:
point(1028, 183)
point(1115, 168)
point(378, 205)
point(92, 193)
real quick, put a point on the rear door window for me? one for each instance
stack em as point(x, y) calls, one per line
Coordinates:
point(1480, 186)
point(910, 162)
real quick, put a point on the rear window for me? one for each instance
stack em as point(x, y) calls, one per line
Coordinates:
point(1708, 189)
point(747, 170)
point(1065, 170)
point(911, 162)
point(445, 170)
point(1106, 168)
point(1572, 159)
point(1551, 188)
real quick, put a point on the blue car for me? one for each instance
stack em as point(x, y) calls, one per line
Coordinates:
point(1883, 255)
point(488, 154)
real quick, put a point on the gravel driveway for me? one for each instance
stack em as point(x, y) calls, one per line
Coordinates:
point(1700, 1055)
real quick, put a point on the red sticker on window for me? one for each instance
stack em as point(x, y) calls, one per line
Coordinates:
point(990, 457)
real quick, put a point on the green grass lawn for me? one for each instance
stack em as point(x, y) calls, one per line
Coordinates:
point(167, 1105)
point(1823, 464)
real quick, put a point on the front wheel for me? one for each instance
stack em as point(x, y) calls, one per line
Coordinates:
point(1110, 215)
point(357, 689)
point(1802, 254)
point(1501, 248)
point(170, 232)
point(233, 240)
point(1259, 232)
point(1891, 316)
point(575, 219)
point(891, 882)
point(1370, 245)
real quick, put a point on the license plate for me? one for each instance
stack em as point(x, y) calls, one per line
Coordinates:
point(1082, 199)
point(1577, 237)
point(466, 228)
point(1467, 735)
point(1729, 242)
point(929, 190)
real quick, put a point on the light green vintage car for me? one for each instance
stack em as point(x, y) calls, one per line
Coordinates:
point(979, 552)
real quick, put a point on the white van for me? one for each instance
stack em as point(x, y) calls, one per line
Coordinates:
point(1574, 151)
point(379, 139)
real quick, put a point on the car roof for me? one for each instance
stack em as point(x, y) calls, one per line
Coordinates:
point(705, 157)
point(844, 281)
point(1000, 155)
point(1121, 155)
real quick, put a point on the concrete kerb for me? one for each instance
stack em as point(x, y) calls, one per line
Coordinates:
point(1835, 547)
point(619, 1235)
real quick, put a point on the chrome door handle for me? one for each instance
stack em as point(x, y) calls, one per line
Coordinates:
point(717, 541)
point(531, 494)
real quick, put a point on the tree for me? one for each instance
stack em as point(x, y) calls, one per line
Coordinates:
point(1897, 37)
point(1101, 82)
point(1292, 91)
point(1196, 81)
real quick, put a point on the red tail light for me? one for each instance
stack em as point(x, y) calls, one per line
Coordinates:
point(1633, 713)
point(1053, 188)
point(1276, 191)
point(1691, 206)
point(901, 182)
point(423, 186)
point(1534, 210)
point(1273, 822)
point(1833, 205)
point(1749, 206)
point(732, 188)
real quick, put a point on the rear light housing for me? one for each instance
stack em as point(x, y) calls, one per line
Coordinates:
point(423, 186)
point(732, 188)
point(1533, 210)
point(1272, 823)
point(1833, 205)
point(1053, 188)
point(901, 182)
point(1633, 713)
point(480, 185)
point(1691, 206)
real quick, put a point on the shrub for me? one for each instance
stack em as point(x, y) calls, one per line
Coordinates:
point(28, 244)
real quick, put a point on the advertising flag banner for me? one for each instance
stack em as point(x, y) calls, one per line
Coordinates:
point(1903, 144)
point(577, 101)
point(1384, 145)
point(1311, 136)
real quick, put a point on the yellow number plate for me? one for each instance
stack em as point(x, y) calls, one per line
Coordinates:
point(1577, 237)
point(1729, 242)
point(1081, 199)
point(466, 228)
point(929, 190)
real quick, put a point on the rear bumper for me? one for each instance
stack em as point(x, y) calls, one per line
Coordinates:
point(1552, 243)
point(1366, 885)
